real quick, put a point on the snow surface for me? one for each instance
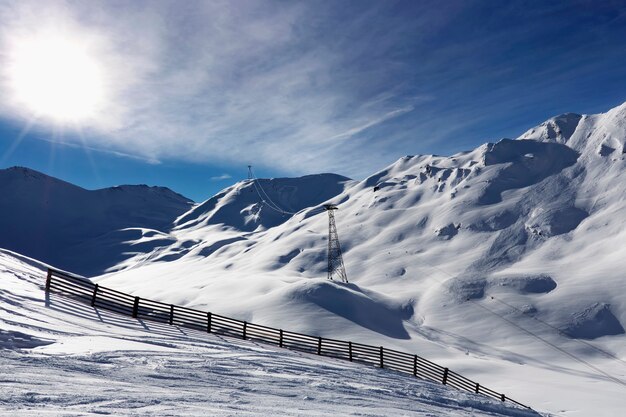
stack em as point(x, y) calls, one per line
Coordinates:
point(502, 263)
point(64, 358)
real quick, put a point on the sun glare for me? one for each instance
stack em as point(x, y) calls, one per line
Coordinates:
point(57, 79)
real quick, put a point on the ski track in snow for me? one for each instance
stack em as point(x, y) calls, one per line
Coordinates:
point(62, 358)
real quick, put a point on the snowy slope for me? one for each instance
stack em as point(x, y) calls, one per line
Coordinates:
point(64, 358)
point(242, 210)
point(52, 220)
point(263, 203)
point(503, 262)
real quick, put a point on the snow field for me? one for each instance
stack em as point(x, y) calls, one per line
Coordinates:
point(502, 263)
point(68, 359)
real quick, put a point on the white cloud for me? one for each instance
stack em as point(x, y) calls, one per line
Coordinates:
point(317, 86)
point(216, 82)
point(221, 177)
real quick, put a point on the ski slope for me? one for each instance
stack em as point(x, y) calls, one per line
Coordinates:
point(67, 359)
point(502, 262)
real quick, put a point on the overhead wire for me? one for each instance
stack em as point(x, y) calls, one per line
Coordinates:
point(552, 345)
point(267, 200)
point(256, 188)
point(265, 197)
point(271, 204)
point(604, 352)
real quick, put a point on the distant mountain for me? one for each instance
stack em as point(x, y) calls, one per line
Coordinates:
point(248, 208)
point(263, 203)
point(89, 232)
point(60, 223)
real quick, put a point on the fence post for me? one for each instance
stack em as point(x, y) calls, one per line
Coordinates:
point(414, 365)
point(48, 279)
point(445, 376)
point(208, 322)
point(93, 296)
point(350, 351)
point(503, 397)
point(245, 326)
point(381, 357)
point(280, 338)
point(477, 387)
point(136, 307)
point(319, 345)
point(171, 314)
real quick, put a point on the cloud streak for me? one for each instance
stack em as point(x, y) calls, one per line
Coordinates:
point(310, 86)
point(222, 177)
point(213, 81)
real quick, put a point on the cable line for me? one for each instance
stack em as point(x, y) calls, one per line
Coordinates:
point(561, 350)
point(604, 352)
point(260, 191)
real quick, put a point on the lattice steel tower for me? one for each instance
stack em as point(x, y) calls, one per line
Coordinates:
point(335, 260)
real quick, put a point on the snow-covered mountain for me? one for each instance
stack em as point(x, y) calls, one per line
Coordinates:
point(248, 208)
point(503, 263)
point(262, 203)
point(92, 231)
point(82, 230)
point(505, 216)
point(508, 254)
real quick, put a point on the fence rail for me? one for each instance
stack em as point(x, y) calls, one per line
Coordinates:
point(98, 296)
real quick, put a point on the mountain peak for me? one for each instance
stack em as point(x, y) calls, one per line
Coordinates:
point(557, 129)
point(24, 172)
point(263, 203)
point(18, 174)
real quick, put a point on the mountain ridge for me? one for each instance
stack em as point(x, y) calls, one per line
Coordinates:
point(49, 219)
point(428, 231)
point(508, 254)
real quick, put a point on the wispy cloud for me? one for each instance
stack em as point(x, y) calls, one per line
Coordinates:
point(221, 177)
point(217, 81)
point(100, 149)
point(309, 86)
point(358, 129)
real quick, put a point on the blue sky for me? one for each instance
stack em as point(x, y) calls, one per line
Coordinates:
point(193, 92)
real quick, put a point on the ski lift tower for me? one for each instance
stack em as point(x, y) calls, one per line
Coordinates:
point(335, 260)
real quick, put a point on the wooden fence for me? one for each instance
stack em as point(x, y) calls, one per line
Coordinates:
point(106, 298)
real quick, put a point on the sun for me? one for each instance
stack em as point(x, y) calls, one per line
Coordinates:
point(56, 78)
